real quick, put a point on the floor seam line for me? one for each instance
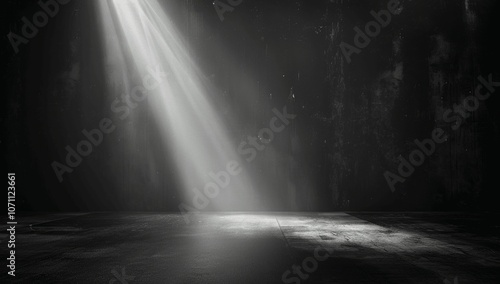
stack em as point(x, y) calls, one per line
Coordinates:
point(289, 248)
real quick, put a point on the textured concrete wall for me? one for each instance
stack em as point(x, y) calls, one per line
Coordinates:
point(354, 119)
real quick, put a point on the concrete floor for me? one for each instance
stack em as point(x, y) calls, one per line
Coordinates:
point(256, 248)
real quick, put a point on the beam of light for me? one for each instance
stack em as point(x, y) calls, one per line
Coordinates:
point(182, 105)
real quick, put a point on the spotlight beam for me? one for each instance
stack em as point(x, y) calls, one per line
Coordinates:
point(189, 120)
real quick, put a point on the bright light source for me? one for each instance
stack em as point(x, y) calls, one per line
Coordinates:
point(181, 104)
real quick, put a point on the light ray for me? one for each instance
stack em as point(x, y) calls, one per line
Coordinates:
point(182, 104)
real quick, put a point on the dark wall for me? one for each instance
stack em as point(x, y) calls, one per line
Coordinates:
point(354, 120)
